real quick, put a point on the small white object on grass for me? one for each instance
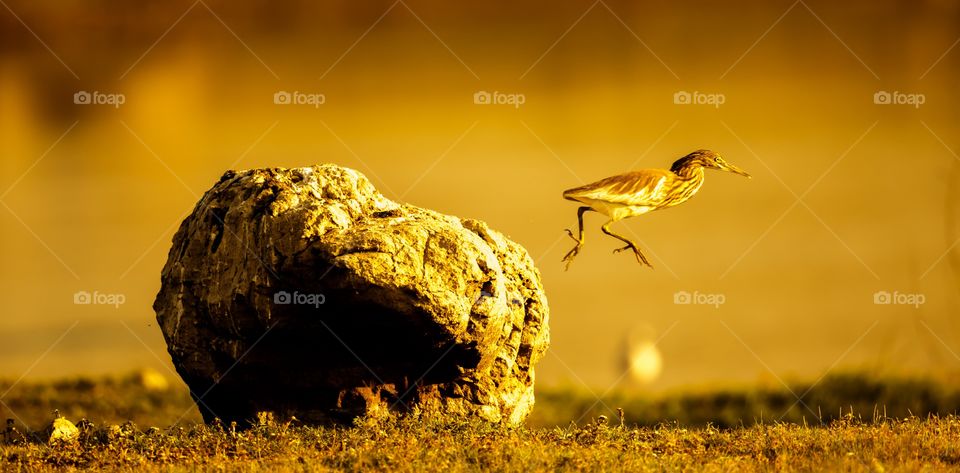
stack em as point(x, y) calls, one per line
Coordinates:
point(62, 430)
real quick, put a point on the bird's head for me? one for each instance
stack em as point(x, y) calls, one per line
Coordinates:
point(707, 159)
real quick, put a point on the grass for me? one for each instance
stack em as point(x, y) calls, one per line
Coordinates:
point(832, 398)
point(419, 444)
point(845, 442)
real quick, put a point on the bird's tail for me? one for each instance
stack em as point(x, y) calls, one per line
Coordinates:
point(572, 194)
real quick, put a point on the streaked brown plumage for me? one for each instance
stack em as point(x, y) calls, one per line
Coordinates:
point(638, 192)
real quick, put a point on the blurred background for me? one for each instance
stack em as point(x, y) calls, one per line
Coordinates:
point(842, 252)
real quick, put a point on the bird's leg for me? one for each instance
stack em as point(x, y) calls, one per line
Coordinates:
point(631, 245)
point(576, 249)
point(580, 212)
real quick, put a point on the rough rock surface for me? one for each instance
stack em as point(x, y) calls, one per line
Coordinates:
point(306, 292)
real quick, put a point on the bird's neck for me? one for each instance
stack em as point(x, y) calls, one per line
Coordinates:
point(689, 171)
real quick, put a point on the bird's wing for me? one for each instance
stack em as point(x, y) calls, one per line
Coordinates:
point(641, 188)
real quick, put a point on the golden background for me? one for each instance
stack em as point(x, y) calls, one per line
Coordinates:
point(848, 198)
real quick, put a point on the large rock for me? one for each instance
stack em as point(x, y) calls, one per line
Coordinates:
point(306, 292)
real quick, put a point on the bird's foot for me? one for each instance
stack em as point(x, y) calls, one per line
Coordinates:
point(568, 258)
point(640, 258)
point(571, 236)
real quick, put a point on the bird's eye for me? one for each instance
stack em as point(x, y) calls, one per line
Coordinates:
point(717, 159)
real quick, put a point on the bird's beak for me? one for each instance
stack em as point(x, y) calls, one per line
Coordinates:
point(731, 168)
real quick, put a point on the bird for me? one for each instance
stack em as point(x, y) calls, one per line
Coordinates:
point(638, 192)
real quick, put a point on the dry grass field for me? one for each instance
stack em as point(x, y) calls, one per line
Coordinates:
point(133, 427)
